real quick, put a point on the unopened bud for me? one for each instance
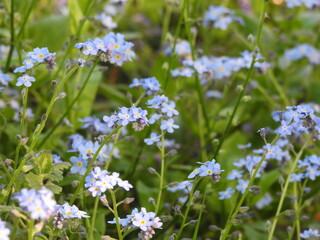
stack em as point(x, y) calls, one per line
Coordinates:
point(193, 221)
point(255, 189)
point(152, 201)
point(24, 141)
point(8, 161)
point(196, 194)
point(214, 228)
point(244, 209)
point(62, 95)
point(177, 210)
point(75, 183)
point(128, 200)
point(152, 170)
point(44, 117)
point(236, 222)
point(104, 200)
point(54, 83)
point(251, 39)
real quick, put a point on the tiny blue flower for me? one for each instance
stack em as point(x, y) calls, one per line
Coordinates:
point(227, 194)
point(25, 80)
point(168, 125)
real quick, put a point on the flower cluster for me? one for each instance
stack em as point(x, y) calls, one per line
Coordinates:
point(220, 17)
point(150, 85)
point(296, 120)
point(4, 231)
point(125, 115)
point(95, 124)
point(219, 67)
point(86, 150)
point(301, 51)
point(310, 234)
point(40, 204)
point(112, 48)
point(98, 181)
point(209, 168)
point(298, 3)
point(37, 56)
point(4, 80)
point(309, 167)
point(73, 211)
point(145, 221)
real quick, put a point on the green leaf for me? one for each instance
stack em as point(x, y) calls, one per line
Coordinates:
point(75, 15)
point(44, 162)
point(34, 180)
point(53, 187)
point(40, 237)
point(4, 208)
point(61, 166)
point(55, 176)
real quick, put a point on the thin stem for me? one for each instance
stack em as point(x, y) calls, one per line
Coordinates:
point(37, 133)
point(297, 210)
point(26, 19)
point(278, 87)
point(70, 107)
point(225, 232)
point(235, 108)
point(195, 234)
point(175, 40)
point(75, 195)
point(115, 210)
point(162, 172)
point(108, 160)
point(186, 212)
point(88, 9)
point(285, 189)
point(257, 43)
point(96, 203)
point(30, 230)
point(23, 115)
point(12, 37)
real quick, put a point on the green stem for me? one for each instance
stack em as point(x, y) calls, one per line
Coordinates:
point(23, 115)
point(297, 210)
point(108, 160)
point(225, 232)
point(257, 43)
point(162, 173)
point(75, 195)
point(186, 212)
point(278, 87)
point(175, 40)
point(30, 230)
point(195, 234)
point(37, 133)
point(115, 210)
point(12, 37)
point(25, 20)
point(166, 22)
point(70, 107)
point(284, 190)
point(88, 8)
point(96, 203)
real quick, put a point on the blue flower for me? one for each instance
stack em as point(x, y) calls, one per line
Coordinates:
point(25, 80)
point(154, 138)
point(310, 234)
point(4, 79)
point(168, 125)
point(90, 48)
point(227, 194)
point(169, 108)
point(242, 185)
point(235, 174)
point(21, 69)
point(28, 63)
point(79, 165)
point(106, 21)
